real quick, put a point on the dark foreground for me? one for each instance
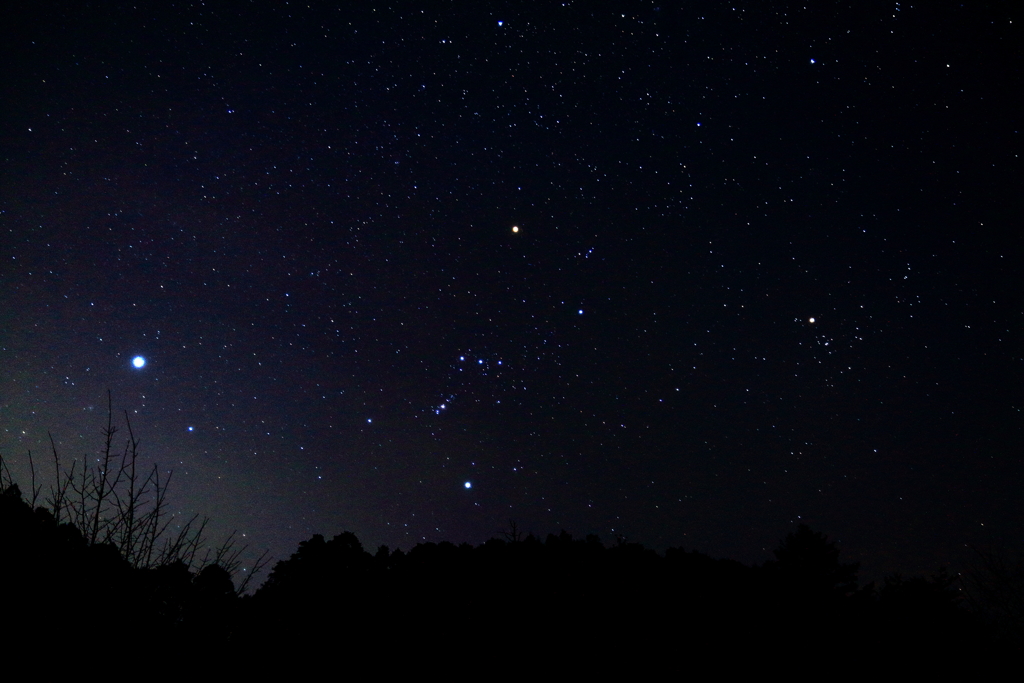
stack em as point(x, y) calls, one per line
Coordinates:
point(511, 605)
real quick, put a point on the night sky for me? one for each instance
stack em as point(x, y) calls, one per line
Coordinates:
point(687, 273)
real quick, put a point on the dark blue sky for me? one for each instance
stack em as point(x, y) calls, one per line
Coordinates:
point(303, 219)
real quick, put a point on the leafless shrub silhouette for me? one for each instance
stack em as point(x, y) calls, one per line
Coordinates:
point(118, 502)
point(511, 533)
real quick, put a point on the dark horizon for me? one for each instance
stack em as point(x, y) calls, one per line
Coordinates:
point(690, 276)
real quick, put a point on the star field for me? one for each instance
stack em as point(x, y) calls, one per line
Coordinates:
point(689, 275)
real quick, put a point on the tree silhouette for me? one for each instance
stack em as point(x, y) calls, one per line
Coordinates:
point(120, 505)
point(808, 564)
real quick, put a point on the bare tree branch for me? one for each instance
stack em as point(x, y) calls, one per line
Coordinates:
point(59, 490)
point(110, 501)
point(6, 480)
point(32, 480)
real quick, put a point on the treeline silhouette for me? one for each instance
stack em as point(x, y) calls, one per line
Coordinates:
point(98, 569)
point(510, 596)
point(578, 604)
